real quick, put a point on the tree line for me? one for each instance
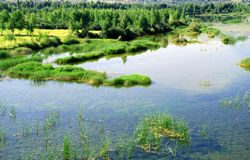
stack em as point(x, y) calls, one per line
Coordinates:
point(125, 20)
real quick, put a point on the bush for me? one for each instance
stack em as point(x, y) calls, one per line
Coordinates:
point(93, 35)
point(21, 51)
point(176, 24)
point(4, 54)
point(117, 32)
point(31, 45)
point(70, 41)
point(50, 42)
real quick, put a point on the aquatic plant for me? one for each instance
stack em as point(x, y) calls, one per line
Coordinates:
point(239, 101)
point(204, 130)
point(245, 63)
point(3, 137)
point(12, 113)
point(153, 129)
point(52, 119)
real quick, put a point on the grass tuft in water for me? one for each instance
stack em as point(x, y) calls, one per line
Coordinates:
point(154, 129)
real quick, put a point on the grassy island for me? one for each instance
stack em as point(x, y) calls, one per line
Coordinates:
point(37, 71)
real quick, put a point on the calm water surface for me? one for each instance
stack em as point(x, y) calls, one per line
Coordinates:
point(188, 82)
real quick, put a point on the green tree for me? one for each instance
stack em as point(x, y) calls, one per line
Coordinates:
point(4, 17)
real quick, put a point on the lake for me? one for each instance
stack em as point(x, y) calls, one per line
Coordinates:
point(189, 82)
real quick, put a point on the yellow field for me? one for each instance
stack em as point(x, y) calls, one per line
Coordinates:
point(24, 36)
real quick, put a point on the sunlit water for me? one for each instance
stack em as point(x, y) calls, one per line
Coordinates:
point(188, 82)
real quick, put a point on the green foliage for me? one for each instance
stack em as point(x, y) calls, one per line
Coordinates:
point(4, 54)
point(70, 41)
point(66, 148)
point(10, 62)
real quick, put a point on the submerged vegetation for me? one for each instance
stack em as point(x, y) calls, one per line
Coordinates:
point(239, 101)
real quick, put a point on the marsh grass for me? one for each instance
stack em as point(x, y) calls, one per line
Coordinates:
point(152, 130)
point(204, 130)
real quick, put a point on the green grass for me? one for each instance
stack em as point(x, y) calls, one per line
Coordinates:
point(153, 129)
point(11, 62)
point(37, 71)
point(131, 80)
point(108, 48)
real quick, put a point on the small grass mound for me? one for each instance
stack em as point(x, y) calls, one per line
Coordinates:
point(245, 63)
point(131, 80)
point(154, 129)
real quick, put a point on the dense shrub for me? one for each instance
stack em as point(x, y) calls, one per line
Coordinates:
point(93, 35)
point(31, 45)
point(70, 41)
point(50, 42)
point(118, 33)
point(4, 54)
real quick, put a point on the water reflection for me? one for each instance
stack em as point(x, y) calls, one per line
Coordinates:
point(182, 68)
